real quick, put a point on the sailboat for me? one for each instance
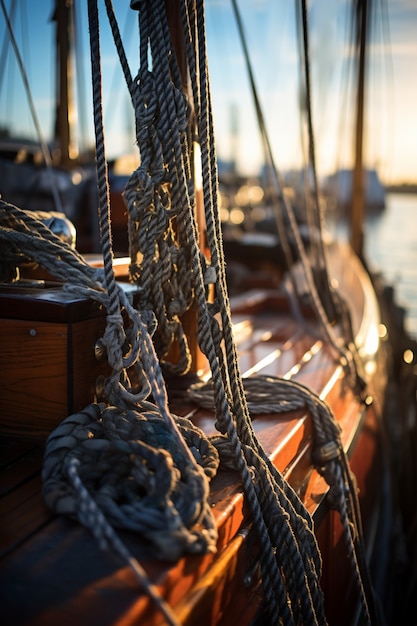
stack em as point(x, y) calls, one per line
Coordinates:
point(177, 456)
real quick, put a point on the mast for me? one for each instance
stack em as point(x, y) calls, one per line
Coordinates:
point(64, 97)
point(358, 191)
point(190, 317)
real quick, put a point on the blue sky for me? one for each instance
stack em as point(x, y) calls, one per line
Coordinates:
point(269, 25)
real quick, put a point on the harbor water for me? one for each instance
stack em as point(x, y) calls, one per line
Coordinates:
point(390, 245)
point(390, 248)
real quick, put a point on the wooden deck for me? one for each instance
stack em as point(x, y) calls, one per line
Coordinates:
point(52, 571)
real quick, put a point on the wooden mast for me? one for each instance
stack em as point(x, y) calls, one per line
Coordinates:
point(64, 97)
point(189, 318)
point(357, 211)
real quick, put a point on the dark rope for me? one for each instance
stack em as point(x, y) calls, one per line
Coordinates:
point(126, 461)
point(268, 395)
point(304, 593)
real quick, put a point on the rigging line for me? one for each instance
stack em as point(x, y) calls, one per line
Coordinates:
point(381, 78)
point(314, 243)
point(6, 67)
point(346, 80)
point(25, 36)
point(266, 148)
point(346, 357)
point(5, 48)
point(124, 64)
point(110, 108)
point(388, 66)
point(301, 120)
point(80, 79)
point(323, 277)
point(44, 147)
point(308, 110)
point(102, 176)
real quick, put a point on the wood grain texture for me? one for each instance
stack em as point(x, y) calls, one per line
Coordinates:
point(49, 371)
point(52, 570)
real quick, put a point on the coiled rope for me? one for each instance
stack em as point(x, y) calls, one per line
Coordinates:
point(112, 448)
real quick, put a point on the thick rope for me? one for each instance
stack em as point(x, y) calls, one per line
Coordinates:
point(138, 476)
point(290, 559)
point(269, 394)
point(279, 516)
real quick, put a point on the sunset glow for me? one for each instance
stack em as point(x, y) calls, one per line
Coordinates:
point(391, 130)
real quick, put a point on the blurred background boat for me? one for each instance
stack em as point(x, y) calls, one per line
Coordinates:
point(338, 189)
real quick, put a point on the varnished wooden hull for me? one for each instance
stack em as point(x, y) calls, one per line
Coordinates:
point(52, 571)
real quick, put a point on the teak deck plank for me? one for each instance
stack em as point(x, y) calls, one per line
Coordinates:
point(23, 514)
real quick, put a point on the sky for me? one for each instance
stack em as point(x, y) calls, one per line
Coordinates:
point(391, 138)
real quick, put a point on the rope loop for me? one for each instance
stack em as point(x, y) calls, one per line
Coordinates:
point(149, 488)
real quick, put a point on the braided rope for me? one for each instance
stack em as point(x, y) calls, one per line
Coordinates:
point(290, 560)
point(304, 597)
